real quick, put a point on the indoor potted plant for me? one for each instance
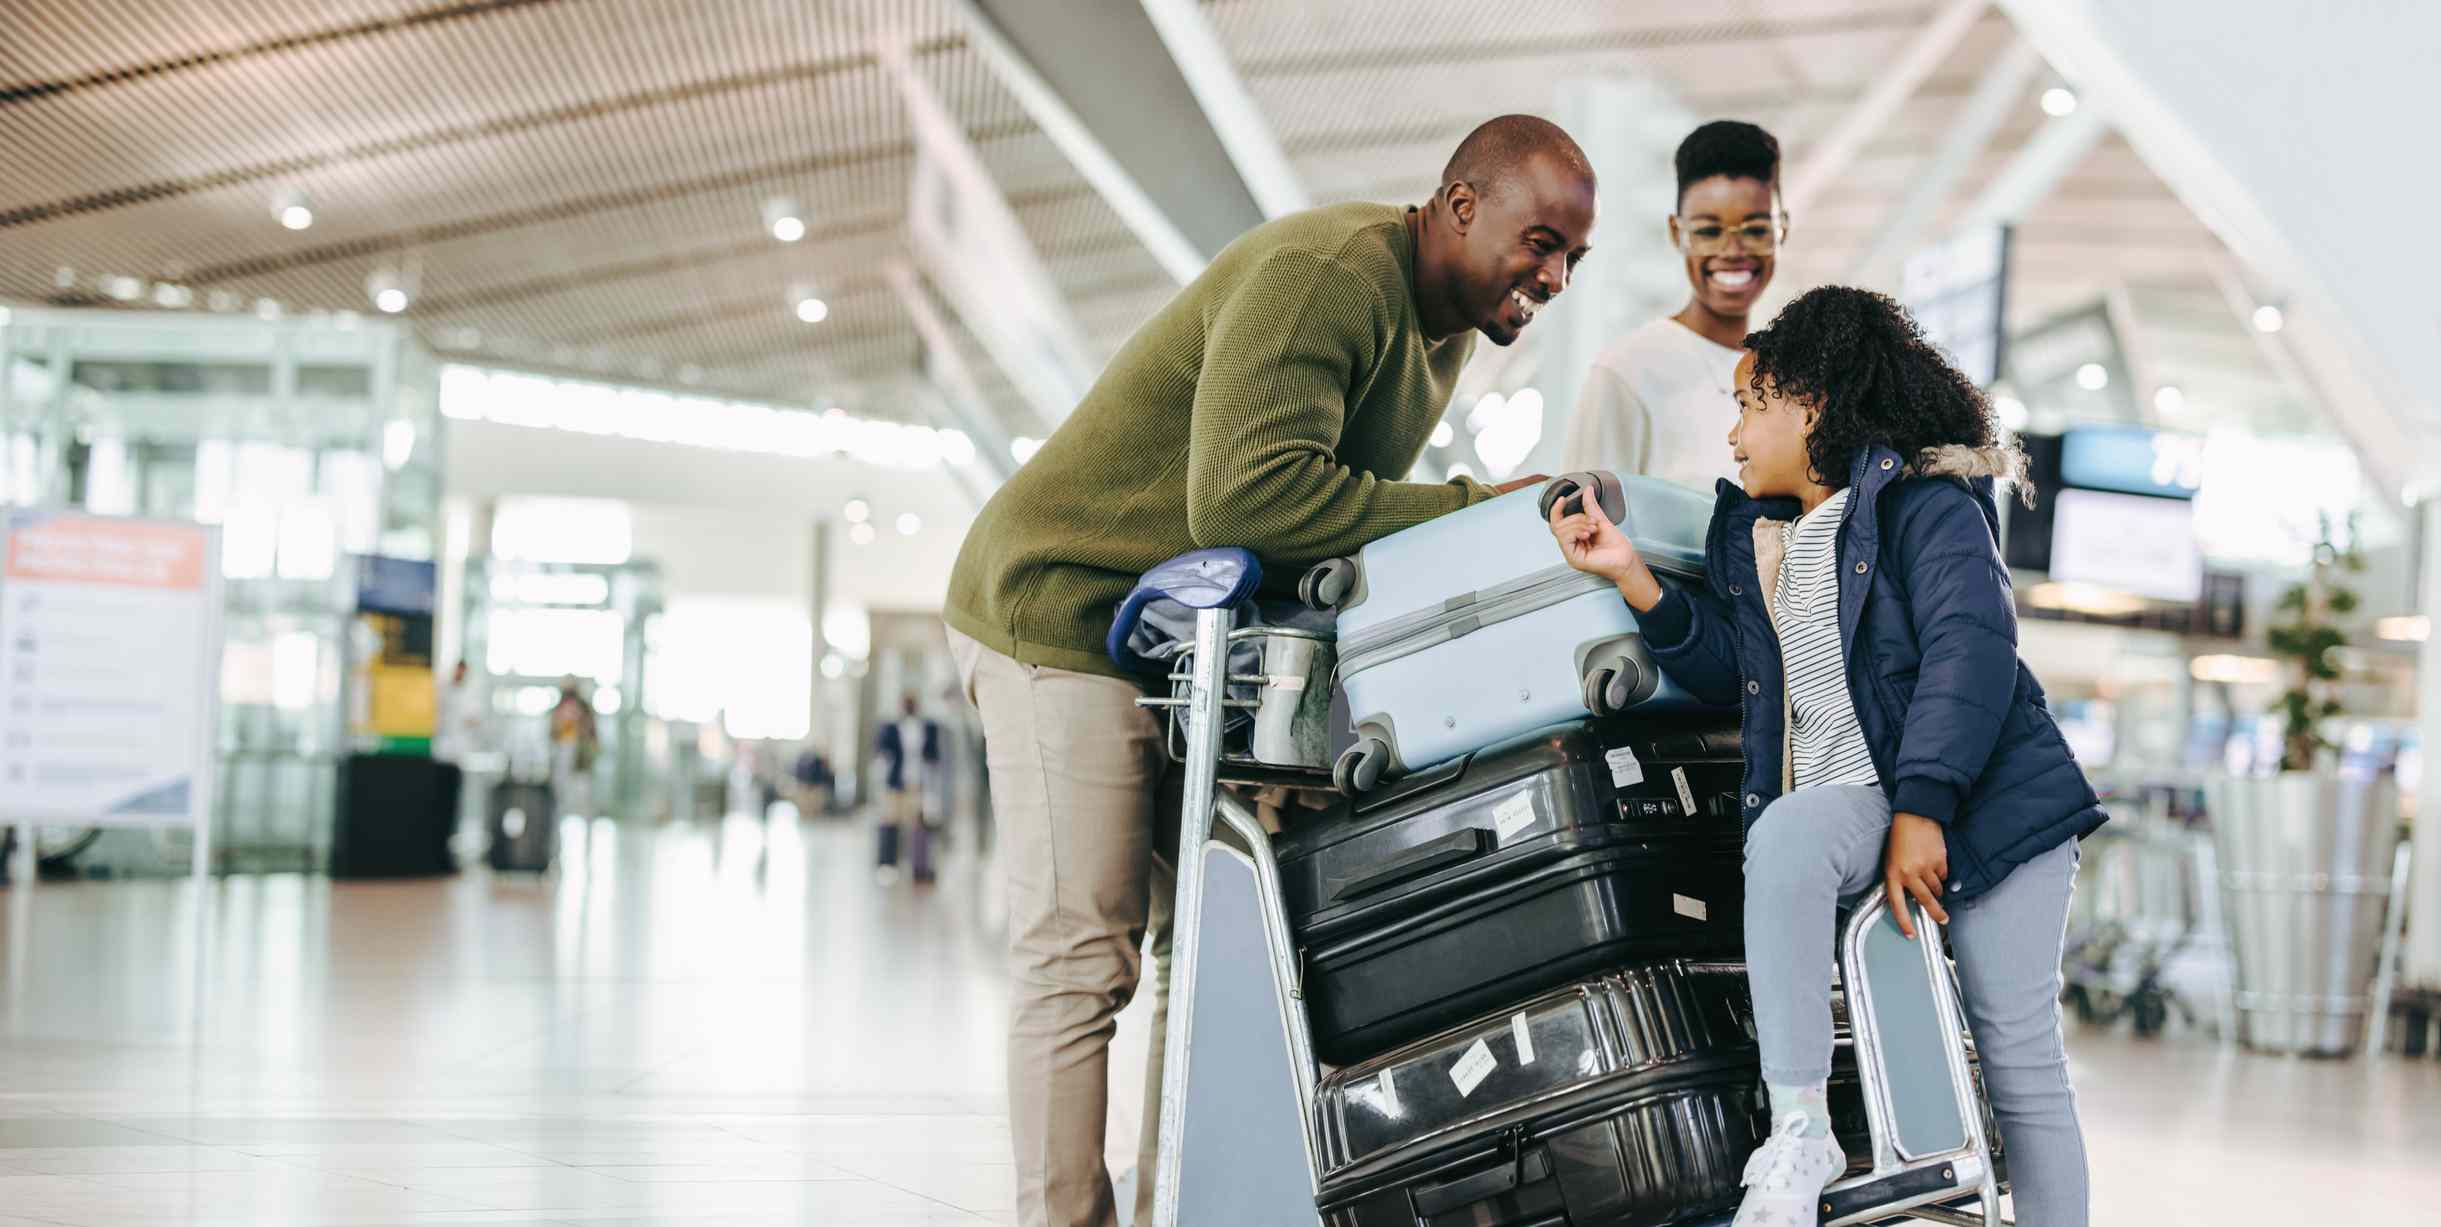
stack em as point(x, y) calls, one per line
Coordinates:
point(2305, 851)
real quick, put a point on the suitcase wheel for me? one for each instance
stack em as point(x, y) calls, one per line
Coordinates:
point(1615, 685)
point(1360, 766)
point(1326, 584)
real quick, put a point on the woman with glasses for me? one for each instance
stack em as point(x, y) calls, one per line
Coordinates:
point(1659, 400)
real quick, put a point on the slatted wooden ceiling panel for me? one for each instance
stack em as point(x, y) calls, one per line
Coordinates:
point(565, 176)
point(579, 181)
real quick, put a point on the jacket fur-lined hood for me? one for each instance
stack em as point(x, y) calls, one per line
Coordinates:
point(2000, 461)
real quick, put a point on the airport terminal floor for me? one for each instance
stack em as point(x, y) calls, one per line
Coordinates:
point(736, 1023)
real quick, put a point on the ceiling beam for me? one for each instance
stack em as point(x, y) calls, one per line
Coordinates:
point(1833, 150)
point(946, 371)
point(1235, 119)
point(2390, 458)
point(969, 243)
point(2039, 166)
point(1098, 80)
point(2003, 86)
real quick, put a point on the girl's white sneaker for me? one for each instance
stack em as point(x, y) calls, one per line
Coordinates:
point(1786, 1176)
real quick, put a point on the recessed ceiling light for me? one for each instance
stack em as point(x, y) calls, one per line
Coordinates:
point(2059, 101)
point(293, 209)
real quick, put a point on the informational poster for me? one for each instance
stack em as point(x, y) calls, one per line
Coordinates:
point(109, 669)
point(397, 699)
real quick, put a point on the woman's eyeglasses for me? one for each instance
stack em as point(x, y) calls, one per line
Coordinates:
point(1709, 238)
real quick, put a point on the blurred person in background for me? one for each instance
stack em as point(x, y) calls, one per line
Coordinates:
point(1276, 404)
point(575, 742)
point(1659, 399)
point(462, 740)
point(465, 727)
point(906, 751)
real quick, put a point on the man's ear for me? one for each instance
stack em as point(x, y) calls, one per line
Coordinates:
point(1464, 205)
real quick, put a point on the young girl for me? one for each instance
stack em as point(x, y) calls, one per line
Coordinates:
point(1857, 607)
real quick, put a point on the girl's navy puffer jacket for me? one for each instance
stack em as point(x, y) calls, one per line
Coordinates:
point(1959, 728)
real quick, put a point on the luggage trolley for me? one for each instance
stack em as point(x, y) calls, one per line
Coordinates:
point(1238, 1143)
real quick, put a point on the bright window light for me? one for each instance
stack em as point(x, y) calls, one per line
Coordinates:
point(397, 444)
point(849, 630)
point(554, 643)
point(309, 542)
point(110, 481)
point(745, 662)
point(563, 530)
point(296, 670)
point(512, 398)
point(2011, 412)
point(249, 542)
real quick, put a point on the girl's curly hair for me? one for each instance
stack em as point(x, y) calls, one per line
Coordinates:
point(1860, 359)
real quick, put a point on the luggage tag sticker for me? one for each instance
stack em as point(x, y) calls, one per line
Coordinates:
point(1473, 1068)
point(1624, 768)
point(1513, 817)
point(1692, 909)
point(1524, 1035)
point(1686, 791)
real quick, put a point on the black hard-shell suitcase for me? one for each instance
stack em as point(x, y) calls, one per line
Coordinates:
point(1491, 878)
point(524, 827)
point(1632, 1098)
point(1626, 1099)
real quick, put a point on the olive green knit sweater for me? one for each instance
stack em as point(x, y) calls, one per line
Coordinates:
point(1273, 404)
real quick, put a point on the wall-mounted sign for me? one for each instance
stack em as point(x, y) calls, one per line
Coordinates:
point(2128, 543)
point(2133, 460)
point(109, 669)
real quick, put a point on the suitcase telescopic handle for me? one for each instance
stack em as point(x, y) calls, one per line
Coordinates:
point(1515, 1166)
point(1454, 848)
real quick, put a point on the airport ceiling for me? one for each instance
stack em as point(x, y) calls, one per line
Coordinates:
point(580, 185)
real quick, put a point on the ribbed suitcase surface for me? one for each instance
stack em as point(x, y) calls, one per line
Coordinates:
point(1514, 870)
point(1632, 1098)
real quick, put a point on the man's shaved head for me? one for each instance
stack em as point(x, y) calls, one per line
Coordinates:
point(1494, 152)
point(1514, 214)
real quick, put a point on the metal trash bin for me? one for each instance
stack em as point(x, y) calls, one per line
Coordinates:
point(2305, 861)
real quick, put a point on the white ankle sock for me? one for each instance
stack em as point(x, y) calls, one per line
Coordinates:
point(1814, 1101)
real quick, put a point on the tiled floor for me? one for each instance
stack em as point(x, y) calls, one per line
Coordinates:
point(739, 1026)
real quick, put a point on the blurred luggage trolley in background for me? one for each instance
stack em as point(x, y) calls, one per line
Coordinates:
point(1549, 1107)
point(2144, 938)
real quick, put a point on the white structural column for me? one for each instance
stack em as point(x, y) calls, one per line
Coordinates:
point(1907, 224)
point(1270, 177)
point(1630, 129)
point(2423, 948)
point(1892, 87)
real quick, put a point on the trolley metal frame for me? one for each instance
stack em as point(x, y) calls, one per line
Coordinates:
point(1916, 1170)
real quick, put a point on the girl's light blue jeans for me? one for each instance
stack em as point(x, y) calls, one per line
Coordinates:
point(1818, 846)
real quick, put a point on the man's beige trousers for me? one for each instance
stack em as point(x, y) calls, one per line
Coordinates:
point(1086, 845)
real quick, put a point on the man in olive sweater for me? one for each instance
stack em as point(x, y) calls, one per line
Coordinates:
point(1274, 404)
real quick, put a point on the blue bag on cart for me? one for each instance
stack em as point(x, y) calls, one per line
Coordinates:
point(1471, 629)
